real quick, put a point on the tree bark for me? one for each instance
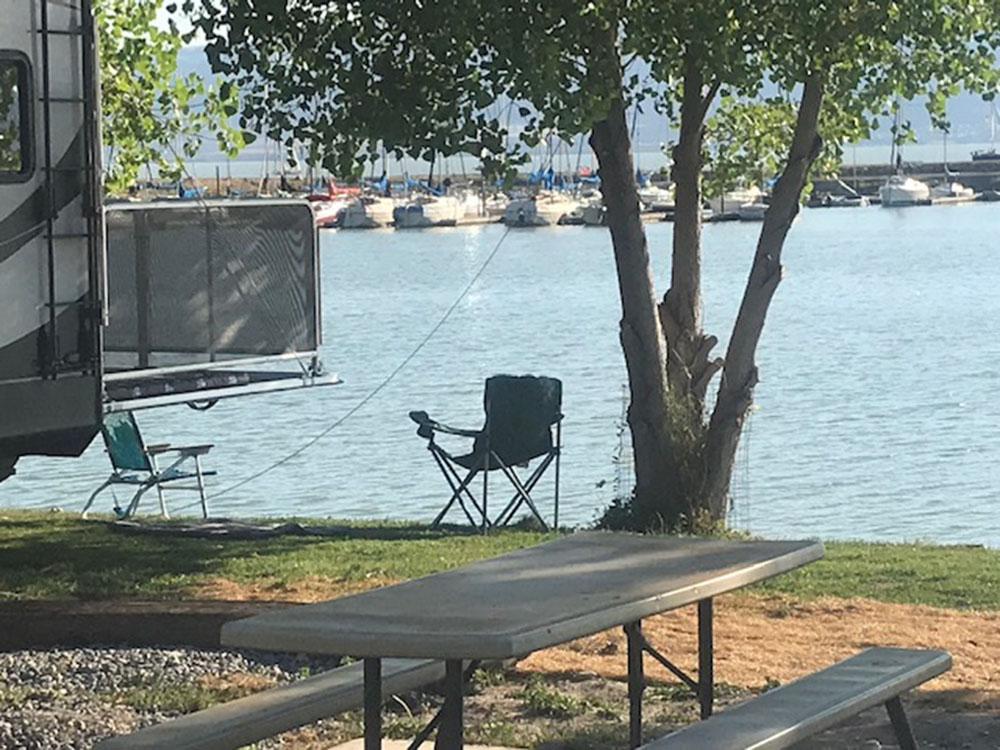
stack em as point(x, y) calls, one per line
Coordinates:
point(739, 375)
point(689, 368)
point(641, 335)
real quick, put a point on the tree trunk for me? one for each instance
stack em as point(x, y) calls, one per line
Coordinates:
point(739, 375)
point(688, 367)
point(640, 331)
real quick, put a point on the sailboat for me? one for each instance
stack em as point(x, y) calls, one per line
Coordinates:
point(989, 154)
point(900, 190)
point(949, 188)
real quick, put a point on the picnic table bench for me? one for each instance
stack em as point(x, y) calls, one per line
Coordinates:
point(232, 725)
point(781, 717)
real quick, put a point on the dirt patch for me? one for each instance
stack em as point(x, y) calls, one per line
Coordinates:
point(765, 639)
point(238, 684)
point(305, 591)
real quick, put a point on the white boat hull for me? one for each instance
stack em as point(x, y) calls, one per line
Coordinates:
point(903, 192)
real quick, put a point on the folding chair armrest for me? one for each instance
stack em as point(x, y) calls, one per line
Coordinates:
point(429, 426)
point(183, 450)
point(194, 450)
point(456, 431)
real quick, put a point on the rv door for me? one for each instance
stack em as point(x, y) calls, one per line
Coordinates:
point(50, 250)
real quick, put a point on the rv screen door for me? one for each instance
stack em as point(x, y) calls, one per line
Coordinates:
point(50, 363)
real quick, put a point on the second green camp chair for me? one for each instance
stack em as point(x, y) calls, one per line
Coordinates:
point(520, 414)
point(135, 464)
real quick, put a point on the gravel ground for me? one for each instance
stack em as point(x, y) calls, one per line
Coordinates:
point(55, 699)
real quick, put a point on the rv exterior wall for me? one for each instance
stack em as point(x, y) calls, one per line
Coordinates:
point(49, 256)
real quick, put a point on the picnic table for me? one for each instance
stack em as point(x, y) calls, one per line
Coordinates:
point(524, 601)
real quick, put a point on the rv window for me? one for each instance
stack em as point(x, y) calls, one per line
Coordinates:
point(15, 140)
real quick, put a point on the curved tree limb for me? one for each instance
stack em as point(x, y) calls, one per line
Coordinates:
point(739, 374)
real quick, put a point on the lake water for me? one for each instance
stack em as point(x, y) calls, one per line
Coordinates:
point(877, 414)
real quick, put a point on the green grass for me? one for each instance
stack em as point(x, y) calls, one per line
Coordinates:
point(57, 556)
point(540, 699)
point(176, 698)
point(955, 577)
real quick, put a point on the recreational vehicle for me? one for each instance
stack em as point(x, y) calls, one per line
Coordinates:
point(133, 305)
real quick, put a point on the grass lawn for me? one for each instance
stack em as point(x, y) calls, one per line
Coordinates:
point(58, 556)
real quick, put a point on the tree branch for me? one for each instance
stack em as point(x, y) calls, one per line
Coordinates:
point(739, 374)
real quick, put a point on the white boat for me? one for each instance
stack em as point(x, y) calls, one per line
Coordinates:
point(326, 213)
point(952, 190)
point(729, 203)
point(544, 209)
point(589, 212)
point(428, 211)
point(496, 205)
point(355, 216)
point(900, 190)
point(656, 199)
point(752, 211)
point(379, 209)
point(523, 212)
point(554, 206)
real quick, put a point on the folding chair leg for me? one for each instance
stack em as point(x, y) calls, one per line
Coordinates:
point(134, 504)
point(163, 502)
point(523, 493)
point(159, 489)
point(459, 487)
point(525, 496)
point(555, 511)
point(90, 500)
point(456, 496)
point(201, 486)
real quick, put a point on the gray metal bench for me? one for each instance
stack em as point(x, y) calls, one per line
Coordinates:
point(270, 712)
point(781, 717)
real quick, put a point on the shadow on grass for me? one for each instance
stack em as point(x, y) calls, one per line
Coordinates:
point(55, 556)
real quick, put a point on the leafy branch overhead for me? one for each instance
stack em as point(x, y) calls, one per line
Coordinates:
point(152, 115)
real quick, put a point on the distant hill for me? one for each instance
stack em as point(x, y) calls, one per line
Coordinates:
point(969, 115)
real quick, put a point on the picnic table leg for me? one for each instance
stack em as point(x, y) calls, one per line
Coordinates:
point(373, 704)
point(706, 668)
point(450, 731)
point(636, 682)
point(900, 724)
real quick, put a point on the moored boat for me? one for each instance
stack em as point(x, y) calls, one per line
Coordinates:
point(543, 209)
point(952, 190)
point(900, 190)
point(729, 203)
point(428, 211)
point(752, 211)
point(355, 216)
point(655, 199)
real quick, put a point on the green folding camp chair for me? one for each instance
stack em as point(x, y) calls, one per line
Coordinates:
point(135, 464)
point(521, 411)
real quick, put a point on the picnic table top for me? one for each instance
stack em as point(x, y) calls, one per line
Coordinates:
point(526, 600)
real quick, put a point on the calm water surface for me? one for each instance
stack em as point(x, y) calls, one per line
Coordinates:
point(877, 414)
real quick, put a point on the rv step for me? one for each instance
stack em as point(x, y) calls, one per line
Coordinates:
point(68, 236)
point(63, 100)
point(61, 32)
